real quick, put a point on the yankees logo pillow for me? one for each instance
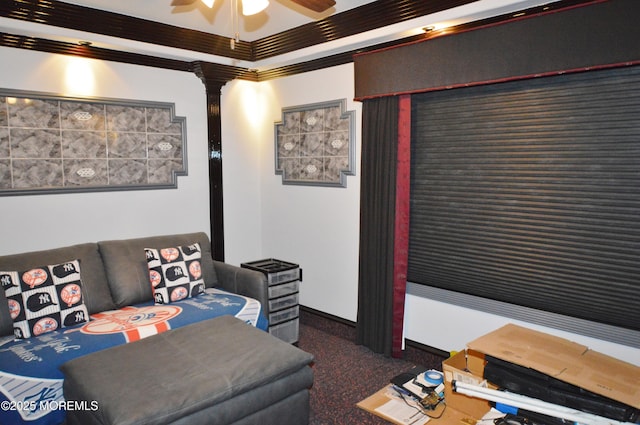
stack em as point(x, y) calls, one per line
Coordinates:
point(44, 298)
point(175, 273)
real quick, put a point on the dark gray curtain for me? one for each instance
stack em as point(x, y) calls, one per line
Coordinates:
point(374, 325)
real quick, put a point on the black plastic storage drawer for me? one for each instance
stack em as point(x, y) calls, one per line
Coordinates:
point(284, 282)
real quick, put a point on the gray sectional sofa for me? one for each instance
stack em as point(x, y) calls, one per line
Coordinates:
point(201, 357)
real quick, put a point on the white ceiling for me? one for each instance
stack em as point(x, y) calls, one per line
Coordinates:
point(279, 16)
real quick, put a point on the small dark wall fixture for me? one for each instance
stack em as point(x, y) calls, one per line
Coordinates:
point(314, 144)
point(54, 144)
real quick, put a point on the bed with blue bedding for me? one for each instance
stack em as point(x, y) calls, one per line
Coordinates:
point(30, 379)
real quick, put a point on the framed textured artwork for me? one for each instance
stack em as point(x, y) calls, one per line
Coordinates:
point(53, 144)
point(314, 144)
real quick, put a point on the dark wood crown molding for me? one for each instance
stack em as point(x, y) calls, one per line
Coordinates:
point(364, 18)
point(65, 15)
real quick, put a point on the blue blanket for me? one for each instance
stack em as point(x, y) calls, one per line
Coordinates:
point(31, 383)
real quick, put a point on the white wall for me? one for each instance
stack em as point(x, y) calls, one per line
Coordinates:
point(315, 227)
point(449, 327)
point(44, 221)
point(244, 117)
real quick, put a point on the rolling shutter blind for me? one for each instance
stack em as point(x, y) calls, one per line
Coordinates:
point(528, 192)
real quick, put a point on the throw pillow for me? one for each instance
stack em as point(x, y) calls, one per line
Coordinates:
point(175, 273)
point(44, 298)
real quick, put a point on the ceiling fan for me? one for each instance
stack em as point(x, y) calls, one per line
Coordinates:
point(251, 7)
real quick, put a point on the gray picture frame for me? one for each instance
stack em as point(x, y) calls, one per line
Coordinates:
point(315, 144)
point(58, 144)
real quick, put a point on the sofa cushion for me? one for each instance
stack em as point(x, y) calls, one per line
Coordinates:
point(96, 294)
point(126, 266)
point(175, 273)
point(44, 298)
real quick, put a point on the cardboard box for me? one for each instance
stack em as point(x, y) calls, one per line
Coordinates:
point(465, 366)
point(565, 360)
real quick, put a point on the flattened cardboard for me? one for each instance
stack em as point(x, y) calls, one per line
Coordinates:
point(565, 360)
point(450, 416)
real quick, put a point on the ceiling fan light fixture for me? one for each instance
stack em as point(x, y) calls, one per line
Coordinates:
point(251, 7)
point(209, 3)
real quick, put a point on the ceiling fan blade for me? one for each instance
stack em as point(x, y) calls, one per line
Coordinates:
point(316, 5)
point(182, 2)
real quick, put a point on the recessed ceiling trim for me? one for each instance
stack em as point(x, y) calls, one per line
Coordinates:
point(65, 15)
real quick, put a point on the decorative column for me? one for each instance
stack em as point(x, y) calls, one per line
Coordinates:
point(213, 81)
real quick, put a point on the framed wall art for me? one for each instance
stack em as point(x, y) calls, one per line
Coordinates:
point(314, 144)
point(52, 144)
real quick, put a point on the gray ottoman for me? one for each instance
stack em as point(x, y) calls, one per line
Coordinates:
point(216, 372)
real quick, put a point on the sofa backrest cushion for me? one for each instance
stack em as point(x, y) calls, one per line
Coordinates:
point(97, 296)
point(126, 266)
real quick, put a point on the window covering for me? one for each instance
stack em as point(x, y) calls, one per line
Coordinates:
point(528, 192)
